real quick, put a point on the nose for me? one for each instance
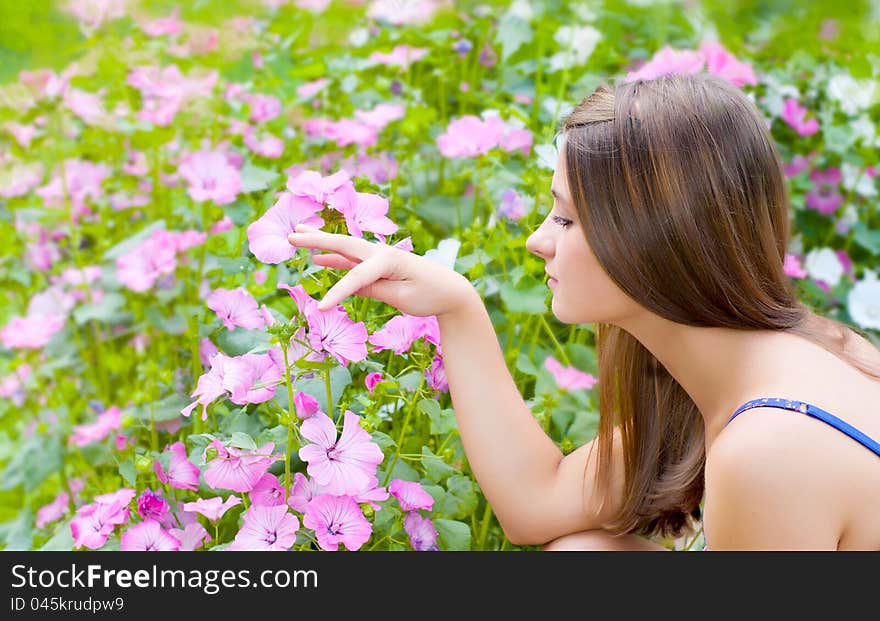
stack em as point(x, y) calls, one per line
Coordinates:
point(540, 242)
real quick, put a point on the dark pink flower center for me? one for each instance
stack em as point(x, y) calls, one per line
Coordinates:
point(271, 537)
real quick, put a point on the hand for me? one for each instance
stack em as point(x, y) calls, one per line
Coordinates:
point(411, 283)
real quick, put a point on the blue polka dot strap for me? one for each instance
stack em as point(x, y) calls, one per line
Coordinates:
point(815, 412)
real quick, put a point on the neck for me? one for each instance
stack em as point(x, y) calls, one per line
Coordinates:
point(719, 368)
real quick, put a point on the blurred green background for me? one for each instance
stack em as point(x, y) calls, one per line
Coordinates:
point(38, 33)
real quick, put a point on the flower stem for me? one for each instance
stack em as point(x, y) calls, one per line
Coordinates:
point(290, 418)
point(562, 353)
point(404, 429)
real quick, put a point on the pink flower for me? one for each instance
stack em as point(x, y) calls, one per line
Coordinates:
point(668, 61)
point(798, 165)
point(309, 89)
point(30, 332)
point(436, 375)
point(267, 491)
point(311, 184)
point(511, 205)
point(210, 176)
point(371, 380)
point(139, 268)
point(401, 56)
point(53, 511)
point(212, 508)
point(346, 466)
point(421, 531)
point(97, 431)
point(94, 522)
point(792, 266)
point(149, 536)
point(794, 114)
point(253, 377)
point(170, 25)
point(331, 330)
point(381, 115)
point(182, 473)
point(193, 536)
point(306, 405)
point(362, 211)
point(469, 136)
point(207, 349)
point(236, 307)
point(335, 520)
point(266, 528)
point(152, 505)
point(302, 491)
point(211, 384)
point(401, 331)
point(721, 62)
point(265, 145)
point(410, 495)
point(263, 107)
point(824, 196)
point(569, 378)
point(236, 469)
point(267, 236)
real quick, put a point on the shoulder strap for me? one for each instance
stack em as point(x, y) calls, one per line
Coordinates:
point(815, 412)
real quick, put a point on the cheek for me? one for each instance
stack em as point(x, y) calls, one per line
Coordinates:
point(585, 293)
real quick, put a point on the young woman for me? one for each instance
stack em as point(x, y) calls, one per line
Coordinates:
point(668, 231)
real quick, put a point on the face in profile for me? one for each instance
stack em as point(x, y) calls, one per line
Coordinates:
point(582, 291)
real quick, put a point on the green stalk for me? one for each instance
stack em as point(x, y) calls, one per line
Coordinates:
point(290, 418)
point(559, 348)
point(484, 526)
point(409, 410)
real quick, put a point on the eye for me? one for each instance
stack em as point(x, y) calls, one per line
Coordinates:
point(563, 222)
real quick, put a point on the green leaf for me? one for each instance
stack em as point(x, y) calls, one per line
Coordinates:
point(869, 239)
point(436, 469)
point(165, 409)
point(61, 541)
point(129, 474)
point(18, 534)
point(383, 440)
point(442, 421)
point(525, 365)
point(410, 381)
point(37, 459)
point(513, 32)
point(316, 386)
point(528, 297)
point(461, 499)
point(242, 441)
point(254, 178)
point(108, 309)
point(240, 341)
point(453, 535)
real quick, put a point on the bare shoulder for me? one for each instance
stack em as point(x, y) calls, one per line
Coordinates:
point(766, 488)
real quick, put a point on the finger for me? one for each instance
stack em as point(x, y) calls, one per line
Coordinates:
point(361, 276)
point(347, 245)
point(335, 261)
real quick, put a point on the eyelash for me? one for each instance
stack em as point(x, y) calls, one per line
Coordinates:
point(563, 222)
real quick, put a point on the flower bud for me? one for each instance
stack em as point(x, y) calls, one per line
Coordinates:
point(142, 464)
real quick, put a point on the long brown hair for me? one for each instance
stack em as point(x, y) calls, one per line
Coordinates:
point(682, 198)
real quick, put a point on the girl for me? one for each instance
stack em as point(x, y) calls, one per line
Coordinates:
point(668, 231)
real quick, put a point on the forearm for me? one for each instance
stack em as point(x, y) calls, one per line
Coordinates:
point(511, 456)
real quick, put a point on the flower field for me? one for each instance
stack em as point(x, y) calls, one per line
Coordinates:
point(167, 381)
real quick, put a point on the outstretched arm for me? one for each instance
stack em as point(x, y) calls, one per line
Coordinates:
point(536, 493)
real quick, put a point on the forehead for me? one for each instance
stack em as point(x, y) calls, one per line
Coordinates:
point(559, 181)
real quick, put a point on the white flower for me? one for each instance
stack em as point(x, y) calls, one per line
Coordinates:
point(522, 9)
point(863, 129)
point(863, 301)
point(823, 264)
point(853, 95)
point(445, 252)
point(547, 156)
point(776, 94)
point(863, 184)
point(577, 43)
point(358, 36)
